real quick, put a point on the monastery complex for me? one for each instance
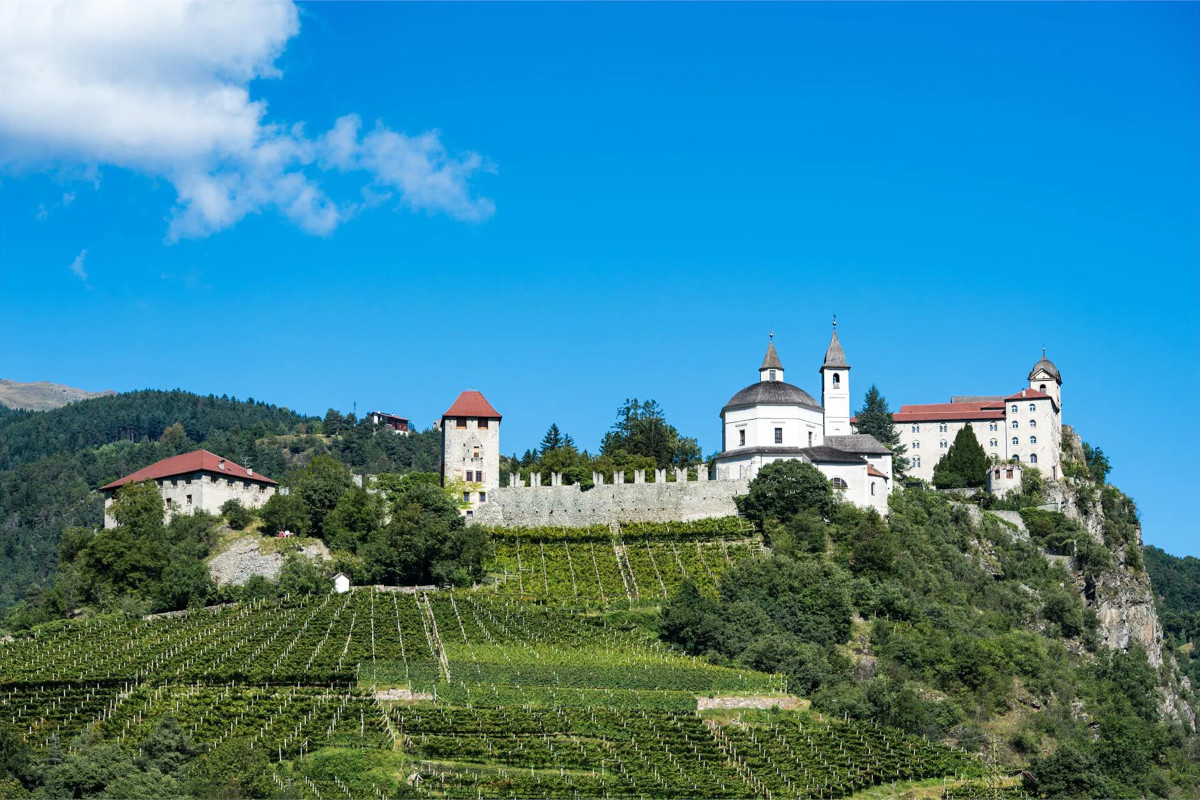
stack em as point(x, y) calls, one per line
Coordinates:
point(766, 421)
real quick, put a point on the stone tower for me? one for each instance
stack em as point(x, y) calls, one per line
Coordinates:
point(471, 448)
point(835, 388)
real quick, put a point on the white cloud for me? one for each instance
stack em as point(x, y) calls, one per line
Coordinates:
point(77, 266)
point(162, 88)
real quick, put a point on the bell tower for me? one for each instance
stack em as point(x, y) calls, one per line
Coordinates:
point(835, 388)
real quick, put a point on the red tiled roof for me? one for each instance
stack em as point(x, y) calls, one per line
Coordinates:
point(934, 412)
point(472, 404)
point(876, 473)
point(1029, 394)
point(195, 461)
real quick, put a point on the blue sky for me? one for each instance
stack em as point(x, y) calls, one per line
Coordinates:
point(567, 205)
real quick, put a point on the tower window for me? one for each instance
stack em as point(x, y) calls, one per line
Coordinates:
point(779, 436)
point(461, 422)
point(810, 438)
point(483, 423)
point(475, 451)
point(189, 499)
point(1016, 441)
point(742, 437)
point(771, 375)
point(1042, 388)
point(837, 380)
point(872, 488)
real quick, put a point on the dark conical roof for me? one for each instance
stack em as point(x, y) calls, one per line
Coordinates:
point(771, 359)
point(835, 356)
point(1046, 364)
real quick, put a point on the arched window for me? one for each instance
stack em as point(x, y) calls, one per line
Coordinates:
point(1042, 388)
point(1015, 424)
point(916, 428)
point(1016, 457)
point(1014, 408)
point(942, 444)
point(1016, 441)
point(810, 438)
point(992, 426)
point(1033, 423)
point(837, 380)
point(916, 445)
point(838, 483)
point(1033, 406)
point(1033, 458)
point(993, 443)
point(1033, 440)
point(942, 428)
point(872, 488)
point(917, 462)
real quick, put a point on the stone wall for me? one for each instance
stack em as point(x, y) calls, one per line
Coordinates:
point(606, 503)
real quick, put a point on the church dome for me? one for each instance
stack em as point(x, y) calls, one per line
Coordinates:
point(1048, 365)
point(772, 393)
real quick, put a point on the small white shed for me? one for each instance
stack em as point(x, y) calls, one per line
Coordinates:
point(341, 583)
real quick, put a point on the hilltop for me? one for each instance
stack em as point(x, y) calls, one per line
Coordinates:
point(991, 648)
point(43, 395)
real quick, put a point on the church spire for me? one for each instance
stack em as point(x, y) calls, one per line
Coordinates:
point(835, 356)
point(772, 367)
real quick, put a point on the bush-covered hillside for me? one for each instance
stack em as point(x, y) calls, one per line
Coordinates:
point(1176, 584)
point(52, 462)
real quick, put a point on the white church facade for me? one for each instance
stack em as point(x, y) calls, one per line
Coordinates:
point(772, 420)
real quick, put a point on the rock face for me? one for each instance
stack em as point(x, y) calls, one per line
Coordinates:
point(243, 560)
point(42, 395)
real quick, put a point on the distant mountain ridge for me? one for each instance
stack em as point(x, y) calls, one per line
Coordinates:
point(43, 395)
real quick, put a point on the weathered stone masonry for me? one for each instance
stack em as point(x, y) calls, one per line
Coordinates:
point(605, 503)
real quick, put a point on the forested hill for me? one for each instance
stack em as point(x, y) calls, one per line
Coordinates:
point(52, 462)
point(1176, 583)
point(26, 436)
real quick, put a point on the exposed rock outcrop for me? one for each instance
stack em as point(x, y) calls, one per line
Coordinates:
point(244, 559)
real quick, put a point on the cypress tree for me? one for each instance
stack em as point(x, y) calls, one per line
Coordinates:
point(964, 465)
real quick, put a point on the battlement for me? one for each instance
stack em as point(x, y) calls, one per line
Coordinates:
point(686, 498)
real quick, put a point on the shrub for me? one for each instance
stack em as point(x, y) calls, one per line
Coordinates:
point(236, 515)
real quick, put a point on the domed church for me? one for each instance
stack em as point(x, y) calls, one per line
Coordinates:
point(771, 419)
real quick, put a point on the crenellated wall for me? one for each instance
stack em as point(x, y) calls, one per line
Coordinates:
point(680, 500)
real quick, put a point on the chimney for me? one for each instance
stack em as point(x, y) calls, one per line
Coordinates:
point(221, 464)
point(249, 471)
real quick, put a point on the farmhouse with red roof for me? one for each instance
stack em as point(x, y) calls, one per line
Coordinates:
point(196, 480)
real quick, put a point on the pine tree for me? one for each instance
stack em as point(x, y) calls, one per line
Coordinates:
point(876, 419)
point(965, 464)
point(552, 440)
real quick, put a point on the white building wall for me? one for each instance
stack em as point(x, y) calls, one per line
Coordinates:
point(801, 427)
point(929, 441)
point(203, 491)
